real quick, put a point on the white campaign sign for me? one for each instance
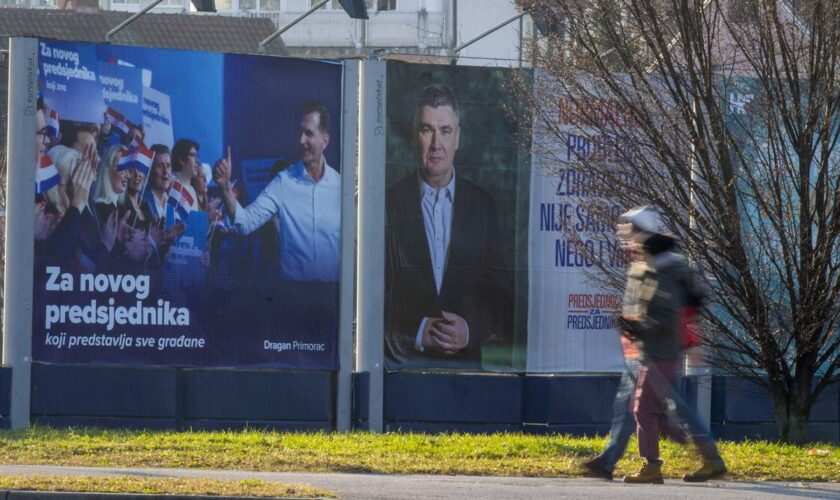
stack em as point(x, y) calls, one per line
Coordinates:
point(157, 118)
point(570, 319)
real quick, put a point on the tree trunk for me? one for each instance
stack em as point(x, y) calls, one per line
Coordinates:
point(791, 418)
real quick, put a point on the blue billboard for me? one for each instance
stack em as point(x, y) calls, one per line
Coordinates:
point(187, 208)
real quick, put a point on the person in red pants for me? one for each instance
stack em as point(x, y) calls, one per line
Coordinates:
point(659, 286)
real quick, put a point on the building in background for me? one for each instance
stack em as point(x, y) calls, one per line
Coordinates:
point(420, 30)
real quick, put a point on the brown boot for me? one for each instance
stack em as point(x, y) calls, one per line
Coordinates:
point(596, 468)
point(651, 473)
point(710, 470)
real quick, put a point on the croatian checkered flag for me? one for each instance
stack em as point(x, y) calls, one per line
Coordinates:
point(138, 157)
point(53, 128)
point(119, 126)
point(181, 200)
point(46, 175)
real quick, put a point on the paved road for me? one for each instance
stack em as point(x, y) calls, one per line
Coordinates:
point(411, 487)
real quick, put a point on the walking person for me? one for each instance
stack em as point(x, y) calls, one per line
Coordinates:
point(660, 284)
point(623, 423)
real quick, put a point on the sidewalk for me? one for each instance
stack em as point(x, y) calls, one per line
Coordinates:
point(379, 486)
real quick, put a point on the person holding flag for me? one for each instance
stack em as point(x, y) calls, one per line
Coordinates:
point(119, 238)
point(47, 182)
point(131, 201)
point(59, 234)
point(136, 161)
point(63, 181)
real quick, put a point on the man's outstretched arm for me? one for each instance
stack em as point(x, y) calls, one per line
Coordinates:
point(221, 173)
point(245, 220)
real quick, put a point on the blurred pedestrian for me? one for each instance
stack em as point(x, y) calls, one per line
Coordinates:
point(660, 285)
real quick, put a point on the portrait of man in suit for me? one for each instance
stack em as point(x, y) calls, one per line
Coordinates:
point(443, 255)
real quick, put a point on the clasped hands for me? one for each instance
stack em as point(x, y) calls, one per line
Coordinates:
point(447, 335)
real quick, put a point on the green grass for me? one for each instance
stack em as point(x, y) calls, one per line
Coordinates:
point(500, 454)
point(161, 486)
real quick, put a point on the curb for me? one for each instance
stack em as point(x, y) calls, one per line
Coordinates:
point(74, 495)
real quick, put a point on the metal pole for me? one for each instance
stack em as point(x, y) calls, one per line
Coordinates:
point(370, 299)
point(17, 320)
point(261, 47)
point(131, 19)
point(697, 365)
point(488, 32)
point(349, 167)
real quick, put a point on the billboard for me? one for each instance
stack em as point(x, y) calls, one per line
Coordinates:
point(490, 251)
point(457, 194)
point(187, 208)
point(571, 240)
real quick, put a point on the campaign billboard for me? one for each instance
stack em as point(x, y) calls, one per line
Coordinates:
point(187, 208)
point(456, 206)
point(493, 248)
point(577, 265)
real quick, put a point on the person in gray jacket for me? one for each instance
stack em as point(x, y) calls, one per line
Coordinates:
point(659, 286)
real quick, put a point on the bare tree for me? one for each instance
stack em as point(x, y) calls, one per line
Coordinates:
point(726, 116)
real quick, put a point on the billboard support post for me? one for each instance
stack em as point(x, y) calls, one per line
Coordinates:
point(288, 26)
point(20, 222)
point(697, 366)
point(490, 31)
point(131, 19)
point(349, 167)
point(371, 267)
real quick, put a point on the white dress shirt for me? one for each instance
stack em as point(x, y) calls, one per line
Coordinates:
point(310, 221)
point(436, 205)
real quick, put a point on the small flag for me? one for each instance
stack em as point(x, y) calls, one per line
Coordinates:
point(138, 157)
point(180, 199)
point(216, 226)
point(46, 176)
point(119, 126)
point(53, 128)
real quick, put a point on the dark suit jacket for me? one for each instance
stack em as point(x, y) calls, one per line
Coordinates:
point(473, 284)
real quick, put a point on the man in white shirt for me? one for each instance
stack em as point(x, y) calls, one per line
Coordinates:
point(306, 197)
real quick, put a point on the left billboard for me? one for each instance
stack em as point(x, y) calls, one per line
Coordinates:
point(187, 208)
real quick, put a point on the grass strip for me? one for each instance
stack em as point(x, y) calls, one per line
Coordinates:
point(161, 486)
point(393, 453)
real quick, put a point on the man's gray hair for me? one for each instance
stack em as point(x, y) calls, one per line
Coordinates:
point(435, 95)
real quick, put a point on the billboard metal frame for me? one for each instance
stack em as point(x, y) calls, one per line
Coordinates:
point(20, 222)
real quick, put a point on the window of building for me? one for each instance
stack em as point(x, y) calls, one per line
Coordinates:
point(165, 3)
point(371, 4)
